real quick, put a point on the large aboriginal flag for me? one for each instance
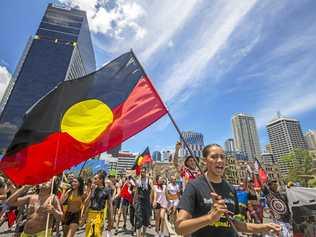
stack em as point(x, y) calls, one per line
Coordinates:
point(82, 118)
point(142, 159)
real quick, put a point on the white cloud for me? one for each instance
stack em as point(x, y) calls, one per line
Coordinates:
point(145, 26)
point(214, 34)
point(111, 18)
point(5, 77)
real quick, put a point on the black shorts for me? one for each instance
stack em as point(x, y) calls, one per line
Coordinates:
point(72, 218)
point(118, 201)
point(158, 206)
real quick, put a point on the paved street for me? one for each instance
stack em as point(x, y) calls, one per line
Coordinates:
point(81, 233)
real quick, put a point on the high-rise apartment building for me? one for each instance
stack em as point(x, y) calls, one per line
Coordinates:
point(285, 135)
point(60, 50)
point(157, 156)
point(229, 145)
point(125, 161)
point(195, 141)
point(245, 135)
point(310, 139)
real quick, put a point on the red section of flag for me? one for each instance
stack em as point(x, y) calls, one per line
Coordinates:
point(263, 177)
point(256, 182)
point(138, 170)
point(146, 159)
point(37, 163)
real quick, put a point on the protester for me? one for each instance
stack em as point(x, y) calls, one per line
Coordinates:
point(142, 203)
point(173, 195)
point(189, 170)
point(74, 198)
point(41, 206)
point(279, 209)
point(99, 198)
point(160, 205)
point(125, 200)
point(202, 213)
point(116, 199)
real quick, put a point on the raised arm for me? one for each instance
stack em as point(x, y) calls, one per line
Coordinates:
point(176, 157)
point(16, 200)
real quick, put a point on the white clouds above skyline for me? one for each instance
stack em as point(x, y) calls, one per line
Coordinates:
point(259, 52)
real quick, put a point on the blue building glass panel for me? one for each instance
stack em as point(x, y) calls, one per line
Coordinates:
point(46, 64)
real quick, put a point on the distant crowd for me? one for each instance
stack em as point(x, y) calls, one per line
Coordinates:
point(104, 204)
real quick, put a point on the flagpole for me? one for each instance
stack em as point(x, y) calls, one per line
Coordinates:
point(82, 168)
point(230, 219)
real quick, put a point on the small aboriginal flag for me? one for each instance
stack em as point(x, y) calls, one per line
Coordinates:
point(82, 118)
point(142, 159)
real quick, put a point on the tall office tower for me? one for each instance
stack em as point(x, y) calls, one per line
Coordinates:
point(285, 135)
point(229, 146)
point(246, 136)
point(60, 50)
point(310, 139)
point(157, 156)
point(195, 141)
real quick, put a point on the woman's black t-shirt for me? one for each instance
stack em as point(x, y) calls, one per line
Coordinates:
point(197, 200)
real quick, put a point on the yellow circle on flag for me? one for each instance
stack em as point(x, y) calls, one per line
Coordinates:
point(86, 120)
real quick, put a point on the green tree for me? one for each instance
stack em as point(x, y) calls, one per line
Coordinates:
point(300, 163)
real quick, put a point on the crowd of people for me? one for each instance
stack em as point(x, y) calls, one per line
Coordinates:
point(104, 204)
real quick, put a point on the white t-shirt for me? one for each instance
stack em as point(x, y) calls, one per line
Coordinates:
point(173, 188)
point(161, 196)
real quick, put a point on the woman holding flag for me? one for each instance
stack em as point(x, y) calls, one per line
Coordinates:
point(202, 213)
point(188, 171)
point(41, 208)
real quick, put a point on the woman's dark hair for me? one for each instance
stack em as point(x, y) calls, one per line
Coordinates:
point(205, 151)
point(2, 184)
point(56, 184)
point(157, 178)
point(186, 160)
point(81, 186)
point(101, 176)
point(89, 181)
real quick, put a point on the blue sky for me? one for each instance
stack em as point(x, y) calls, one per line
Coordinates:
point(208, 59)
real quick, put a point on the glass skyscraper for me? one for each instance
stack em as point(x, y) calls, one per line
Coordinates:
point(195, 141)
point(60, 50)
point(246, 137)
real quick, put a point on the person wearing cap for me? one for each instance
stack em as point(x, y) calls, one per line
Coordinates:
point(206, 213)
point(189, 170)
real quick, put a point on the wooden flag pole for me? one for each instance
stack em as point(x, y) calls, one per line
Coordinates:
point(50, 203)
